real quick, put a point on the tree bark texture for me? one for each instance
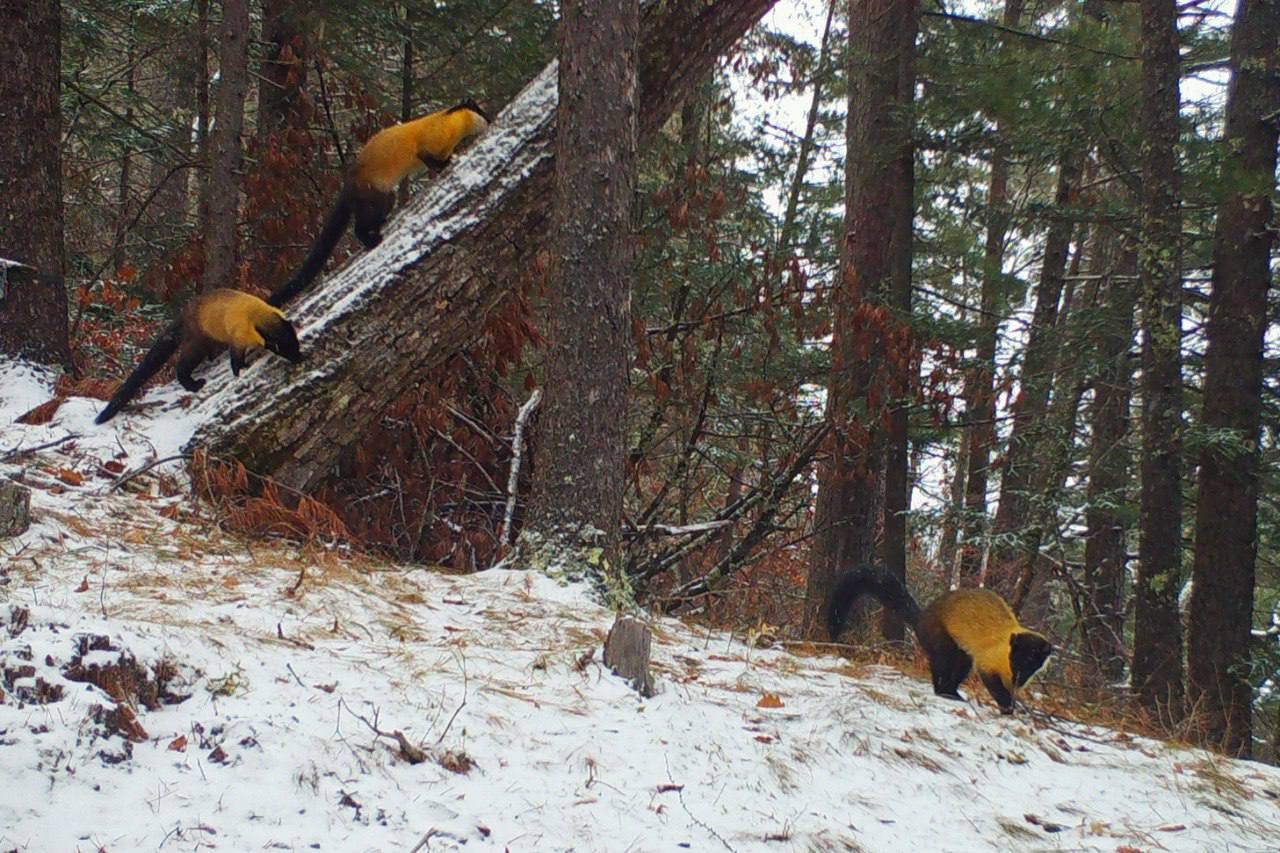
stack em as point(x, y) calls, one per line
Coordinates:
point(580, 477)
point(897, 458)
point(626, 650)
point(15, 509)
point(221, 228)
point(1157, 642)
point(867, 336)
point(456, 252)
point(33, 311)
point(1226, 514)
point(1107, 517)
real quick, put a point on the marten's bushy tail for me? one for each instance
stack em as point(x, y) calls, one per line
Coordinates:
point(330, 233)
point(877, 582)
point(164, 347)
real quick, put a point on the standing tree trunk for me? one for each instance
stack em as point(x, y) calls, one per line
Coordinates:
point(33, 309)
point(220, 230)
point(897, 457)
point(576, 508)
point(1157, 630)
point(1107, 518)
point(948, 538)
point(1227, 512)
point(868, 340)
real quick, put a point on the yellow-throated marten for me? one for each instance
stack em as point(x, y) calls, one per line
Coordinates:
point(218, 320)
point(960, 629)
point(369, 191)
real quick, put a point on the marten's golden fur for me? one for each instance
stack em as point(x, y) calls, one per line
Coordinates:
point(218, 320)
point(963, 629)
point(369, 192)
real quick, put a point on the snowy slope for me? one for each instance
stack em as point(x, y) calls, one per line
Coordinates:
point(291, 657)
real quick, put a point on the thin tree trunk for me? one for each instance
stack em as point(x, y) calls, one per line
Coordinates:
point(578, 483)
point(221, 228)
point(950, 534)
point(33, 311)
point(1226, 515)
point(399, 310)
point(897, 482)
point(1157, 632)
point(867, 337)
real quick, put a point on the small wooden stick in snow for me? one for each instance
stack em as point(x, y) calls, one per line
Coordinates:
point(517, 451)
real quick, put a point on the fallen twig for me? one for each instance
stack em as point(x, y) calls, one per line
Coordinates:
point(124, 478)
point(517, 452)
point(22, 451)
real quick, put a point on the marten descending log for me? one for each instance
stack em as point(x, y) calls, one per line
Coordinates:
point(218, 320)
point(369, 192)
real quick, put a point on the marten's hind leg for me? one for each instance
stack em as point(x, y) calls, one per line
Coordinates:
point(190, 354)
point(370, 209)
point(949, 665)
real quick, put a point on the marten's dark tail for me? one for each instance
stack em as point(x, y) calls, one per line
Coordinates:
point(164, 347)
point(330, 233)
point(877, 582)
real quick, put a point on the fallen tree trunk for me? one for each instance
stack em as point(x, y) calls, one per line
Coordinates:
point(457, 252)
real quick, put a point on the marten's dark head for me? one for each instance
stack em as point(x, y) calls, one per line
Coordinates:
point(470, 104)
point(281, 339)
point(1027, 653)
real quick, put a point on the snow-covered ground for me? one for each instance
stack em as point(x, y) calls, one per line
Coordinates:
point(299, 666)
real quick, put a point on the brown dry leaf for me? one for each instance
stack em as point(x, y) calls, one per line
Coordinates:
point(84, 585)
point(769, 700)
point(41, 414)
point(178, 744)
point(68, 476)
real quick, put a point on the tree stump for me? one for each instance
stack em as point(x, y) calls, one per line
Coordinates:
point(626, 652)
point(15, 509)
